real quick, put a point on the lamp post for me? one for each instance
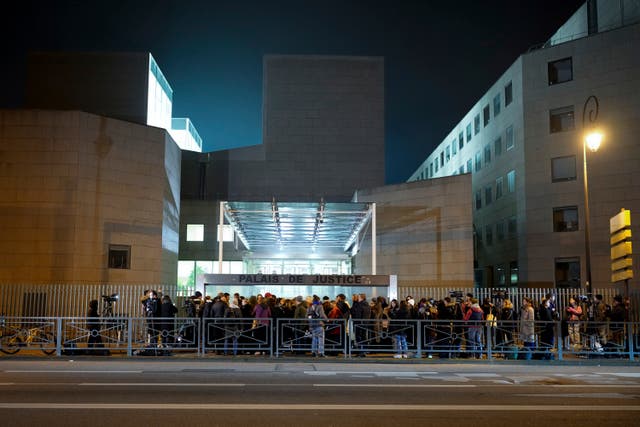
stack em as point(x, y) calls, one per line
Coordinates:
point(593, 140)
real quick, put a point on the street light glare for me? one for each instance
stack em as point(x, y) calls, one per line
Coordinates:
point(593, 140)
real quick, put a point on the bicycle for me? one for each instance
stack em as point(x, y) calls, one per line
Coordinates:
point(13, 338)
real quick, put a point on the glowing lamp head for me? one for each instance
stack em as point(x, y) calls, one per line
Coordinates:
point(593, 140)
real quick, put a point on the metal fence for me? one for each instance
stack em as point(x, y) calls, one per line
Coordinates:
point(69, 300)
point(445, 339)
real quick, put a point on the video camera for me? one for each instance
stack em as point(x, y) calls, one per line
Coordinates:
point(111, 298)
point(457, 295)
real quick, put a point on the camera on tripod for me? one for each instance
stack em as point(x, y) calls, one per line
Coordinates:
point(111, 298)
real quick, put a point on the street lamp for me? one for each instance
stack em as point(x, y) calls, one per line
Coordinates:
point(592, 139)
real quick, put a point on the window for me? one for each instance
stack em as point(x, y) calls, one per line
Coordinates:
point(497, 147)
point(469, 132)
point(460, 140)
point(511, 181)
point(508, 94)
point(486, 115)
point(447, 154)
point(513, 272)
point(496, 105)
point(441, 158)
point(461, 170)
point(478, 199)
point(509, 140)
point(476, 124)
point(436, 163)
point(567, 272)
point(454, 147)
point(195, 232)
point(563, 169)
point(500, 275)
point(478, 236)
point(488, 195)
point(488, 235)
point(560, 71)
point(487, 154)
point(561, 119)
point(431, 169)
point(478, 161)
point(500, 230)
point(469, 166)
point(499, 184)
point(120, 256)
point(227, 233)
point(512, 226)
point(565, 219)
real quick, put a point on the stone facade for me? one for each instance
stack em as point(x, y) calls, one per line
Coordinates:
point(73, 183)
point(424, 233)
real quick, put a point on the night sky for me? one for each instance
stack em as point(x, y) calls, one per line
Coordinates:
point(439, 58)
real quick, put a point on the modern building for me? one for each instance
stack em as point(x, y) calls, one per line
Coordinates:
point(125, 86)
point(87, 199)
point(523, 140)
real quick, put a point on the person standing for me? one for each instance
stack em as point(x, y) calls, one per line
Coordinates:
point(573, 312)
point(527, 327)
point(545, 315)
point(317, 317)
point(151, 310)
point(399, 329)
point(474, 316)
point(361, 315)
point(167, 318)
point(93, 326)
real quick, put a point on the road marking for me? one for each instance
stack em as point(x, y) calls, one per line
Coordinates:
point(315, 407)
point(162, 384)
point(52, 371)
point(478, 375)
point(385, 374)
point(399, 385)
point(623, 374)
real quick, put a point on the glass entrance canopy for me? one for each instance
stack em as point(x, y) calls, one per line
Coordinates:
point(323, 228)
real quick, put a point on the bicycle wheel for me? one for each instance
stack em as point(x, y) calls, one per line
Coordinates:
point(47, 343)
point(10, 344)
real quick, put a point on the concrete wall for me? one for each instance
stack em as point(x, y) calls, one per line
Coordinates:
point(323, 127)
point(605, 65)
point(425, 233)
point(72, 183)
point(108, 84)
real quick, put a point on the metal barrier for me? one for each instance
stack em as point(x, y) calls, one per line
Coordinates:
point(494, 340)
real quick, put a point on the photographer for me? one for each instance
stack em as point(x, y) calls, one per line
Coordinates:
point(151, 309)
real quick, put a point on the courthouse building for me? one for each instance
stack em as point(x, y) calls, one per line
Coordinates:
point(522, 144)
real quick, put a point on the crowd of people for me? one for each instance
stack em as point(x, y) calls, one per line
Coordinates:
point(531, 328)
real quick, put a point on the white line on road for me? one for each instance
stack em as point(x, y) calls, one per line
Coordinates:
point(399, 385)
point(163, 384)
point(54, 371)
point(623, 374)
point(314, 407)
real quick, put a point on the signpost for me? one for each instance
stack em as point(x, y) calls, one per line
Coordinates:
point(621, 248)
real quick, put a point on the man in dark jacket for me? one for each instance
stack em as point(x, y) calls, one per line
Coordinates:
point(545, 315)
point(361, 315)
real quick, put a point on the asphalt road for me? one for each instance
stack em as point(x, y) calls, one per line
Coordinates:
point(265, 393)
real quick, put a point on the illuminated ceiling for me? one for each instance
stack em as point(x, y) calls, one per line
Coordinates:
point(329, 227)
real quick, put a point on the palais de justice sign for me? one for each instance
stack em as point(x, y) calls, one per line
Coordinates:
point(297, 279)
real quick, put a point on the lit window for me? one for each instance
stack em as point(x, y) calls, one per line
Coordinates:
point(509, 139)
point(561, 119)
point(513, 272)
point(227, 233)
point(565, 219)
point(511, 181)
point(563, 169)
point(195, 232)
point(120, 256)
point(560, 71)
